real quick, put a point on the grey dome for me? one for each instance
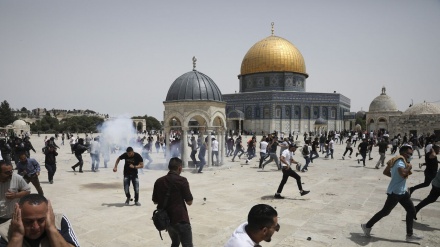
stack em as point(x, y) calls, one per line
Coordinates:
point(360, 114)
point(383, 103)
point(320, 121)
point(194, 85)
point(423, 108)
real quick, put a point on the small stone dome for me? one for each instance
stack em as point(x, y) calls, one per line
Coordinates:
point(320, 121)
point(423, 108)
point(194, 85)
point(383, 103)
point(360, 114)
point(19, 123)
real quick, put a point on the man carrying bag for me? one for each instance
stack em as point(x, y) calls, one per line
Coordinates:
point(173, 201)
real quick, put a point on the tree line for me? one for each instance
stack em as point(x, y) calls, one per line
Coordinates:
point(80, 124)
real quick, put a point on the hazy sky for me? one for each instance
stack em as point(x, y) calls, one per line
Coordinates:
point(121, 57)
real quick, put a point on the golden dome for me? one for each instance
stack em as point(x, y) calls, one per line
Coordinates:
point(273, 54)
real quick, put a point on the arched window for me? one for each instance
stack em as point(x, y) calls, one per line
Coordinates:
point(266, 112)
point(278, 112)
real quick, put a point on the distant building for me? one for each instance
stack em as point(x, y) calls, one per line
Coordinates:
point(418, 119)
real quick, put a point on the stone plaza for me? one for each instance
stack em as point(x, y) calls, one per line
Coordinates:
point(343, 195)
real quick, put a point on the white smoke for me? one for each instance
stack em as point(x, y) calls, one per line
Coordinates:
point(119, 132)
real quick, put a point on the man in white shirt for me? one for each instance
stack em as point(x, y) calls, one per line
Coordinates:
point(331, 146)
point(214, 144)
point(261, 225)
point(263, 149)
point(286, 161)
point(95, 147)
point(72, 141)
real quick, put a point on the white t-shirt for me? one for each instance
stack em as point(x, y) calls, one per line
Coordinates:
point(263, 146)
point(95, 147)
point(331, 144)
point(240, 238)
point(214, 145)
point(287, 156)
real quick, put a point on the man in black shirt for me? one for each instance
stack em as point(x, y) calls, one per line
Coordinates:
point(363, 148)
point(314, 153)
point(133, 162)
point(431, 162)
point(383, 146)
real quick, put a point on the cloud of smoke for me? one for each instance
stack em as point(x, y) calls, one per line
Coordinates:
point(119, 132)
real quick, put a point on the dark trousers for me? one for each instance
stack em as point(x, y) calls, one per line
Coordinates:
point(237, 150)
point(51, 169)
point(135, 181)
point(80, 162)
point(313, 155)
point(202, 163)
point(432, 197)
point(288, 172)
point(364, 157)
point(429, 176)
point(180, 233)
point(33, 178)
point(348, 149)
point(193, 157)
point(215, 153)
point(390, 203)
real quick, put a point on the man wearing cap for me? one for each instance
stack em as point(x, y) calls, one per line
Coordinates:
point(431, 163)
point(286, 162)
point(133, 162)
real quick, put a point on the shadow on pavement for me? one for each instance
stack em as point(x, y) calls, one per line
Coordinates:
point(118, 205)
point(362, 240)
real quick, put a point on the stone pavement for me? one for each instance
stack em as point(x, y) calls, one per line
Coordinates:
point(343, 195)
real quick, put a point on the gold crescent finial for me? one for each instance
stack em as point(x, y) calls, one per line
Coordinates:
point(272, 27)
point(194, 62)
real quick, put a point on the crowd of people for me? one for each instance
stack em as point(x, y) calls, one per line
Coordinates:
point(286, 153)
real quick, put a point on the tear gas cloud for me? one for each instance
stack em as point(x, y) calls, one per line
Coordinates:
point(119, 132)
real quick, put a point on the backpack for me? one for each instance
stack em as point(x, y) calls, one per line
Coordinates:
point(161, 220)
point(305, 150)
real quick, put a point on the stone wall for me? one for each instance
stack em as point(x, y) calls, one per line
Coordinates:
point(420, 123)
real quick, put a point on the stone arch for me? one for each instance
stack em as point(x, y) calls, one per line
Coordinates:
point(218, 119)
point(174, 121)
point(139, 124)
point(201, 117)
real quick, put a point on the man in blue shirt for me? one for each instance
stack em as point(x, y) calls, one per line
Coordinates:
point(400, 168)
point(30, 170)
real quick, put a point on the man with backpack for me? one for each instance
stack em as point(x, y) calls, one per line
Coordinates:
point(78, 149)
point(179, 195)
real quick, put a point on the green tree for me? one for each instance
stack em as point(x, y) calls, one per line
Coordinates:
point(6, 115)
point(362, 122)
point(82, 124)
